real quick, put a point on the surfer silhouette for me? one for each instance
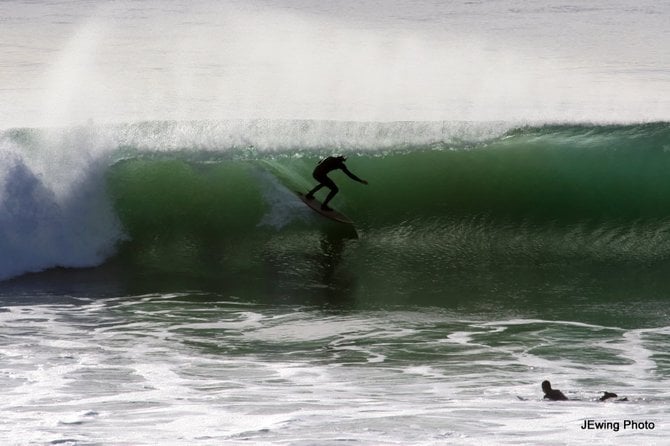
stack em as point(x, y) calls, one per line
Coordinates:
point(320, 174)
point(557, 395)
point(552, 394)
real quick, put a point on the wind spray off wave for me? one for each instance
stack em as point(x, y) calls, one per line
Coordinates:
point(54, 210)
point(414, 61)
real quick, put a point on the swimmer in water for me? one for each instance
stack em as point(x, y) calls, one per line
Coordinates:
point(607, 395)
point(552, 394)
point(557, 395)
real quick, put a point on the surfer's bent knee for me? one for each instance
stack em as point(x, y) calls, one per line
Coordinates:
point(324, 180)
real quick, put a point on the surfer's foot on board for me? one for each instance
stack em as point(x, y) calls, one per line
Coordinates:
point(326, 208)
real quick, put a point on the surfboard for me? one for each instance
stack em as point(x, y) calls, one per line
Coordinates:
point(333, 215)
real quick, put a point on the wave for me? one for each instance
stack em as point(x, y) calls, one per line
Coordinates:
point(444, 192)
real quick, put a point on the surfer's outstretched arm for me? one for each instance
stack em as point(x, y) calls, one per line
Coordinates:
point(352, 176)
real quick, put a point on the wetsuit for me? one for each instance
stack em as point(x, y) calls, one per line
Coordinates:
point(552, 394)
point(321, 172)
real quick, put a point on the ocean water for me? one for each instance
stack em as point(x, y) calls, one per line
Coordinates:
point(161, 283)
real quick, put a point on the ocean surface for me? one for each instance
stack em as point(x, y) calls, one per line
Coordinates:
point(161, 282)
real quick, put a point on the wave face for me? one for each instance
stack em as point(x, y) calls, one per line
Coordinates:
point(201, 195)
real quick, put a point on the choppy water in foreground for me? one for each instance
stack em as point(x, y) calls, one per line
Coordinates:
point(200, 369)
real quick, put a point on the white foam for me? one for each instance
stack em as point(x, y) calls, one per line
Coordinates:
point(130, 384)
point(54, 210)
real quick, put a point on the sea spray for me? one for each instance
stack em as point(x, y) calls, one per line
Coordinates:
point(54, 209)
point(283, 208)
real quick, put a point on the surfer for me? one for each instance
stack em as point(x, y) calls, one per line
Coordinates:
point(552, 394)
point(320, 174)
point(557, 395)
point(607, 395)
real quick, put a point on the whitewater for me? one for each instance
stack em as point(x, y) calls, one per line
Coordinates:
point(161, 283)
